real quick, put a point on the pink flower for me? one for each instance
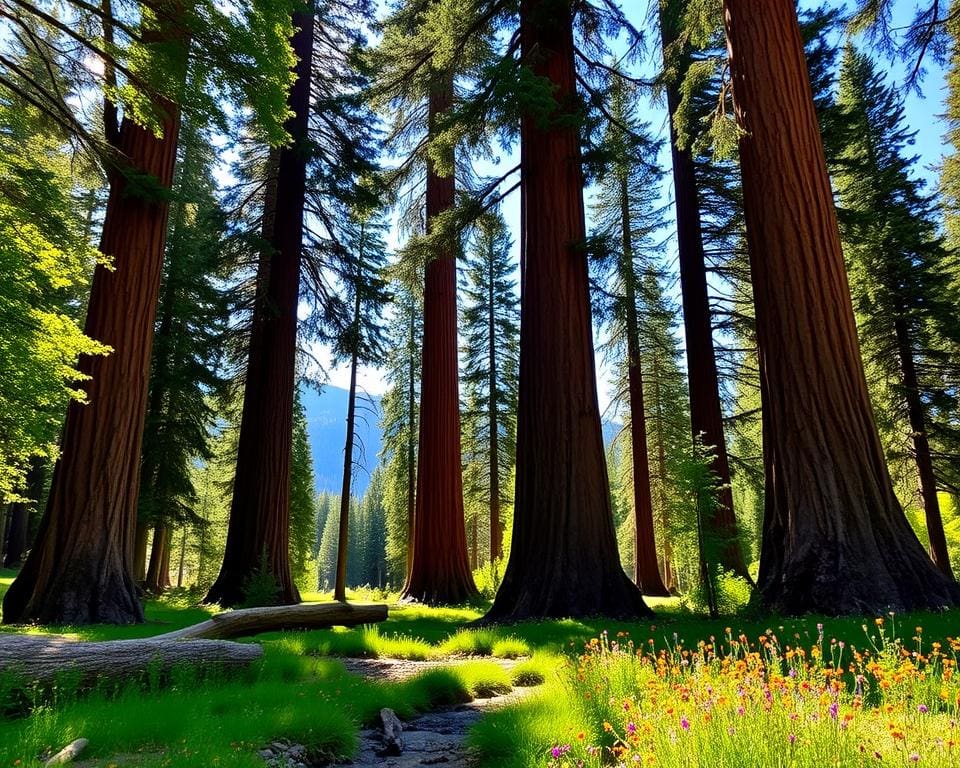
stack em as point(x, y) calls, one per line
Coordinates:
point(922, 709)
point(684, 723)
point(792, 737)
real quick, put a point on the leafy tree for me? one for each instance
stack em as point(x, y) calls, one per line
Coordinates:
point(45, 259)
point(490, 321)
point(905, 302)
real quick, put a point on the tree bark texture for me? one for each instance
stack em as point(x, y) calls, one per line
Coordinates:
point(258, 532)
point(80, 570)
point(706, 410)
point(563, 558)
point(921, 449)
point(440, 569)
point(835, 538)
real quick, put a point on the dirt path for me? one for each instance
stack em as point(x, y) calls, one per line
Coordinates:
point(436, 738)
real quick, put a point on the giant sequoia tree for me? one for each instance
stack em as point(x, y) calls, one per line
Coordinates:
point(563, 558)
point(439, 569)
point(258, 533)
point(906, 309)
point(835, 538)
point(80, 570)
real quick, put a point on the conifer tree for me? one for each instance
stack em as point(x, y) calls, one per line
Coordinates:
point(303, 502)
point(362, 344)
point(399, 424)
point(627, 216)
point(825, 468)
point(563, 556)
point(490, 321)
point(905, 307)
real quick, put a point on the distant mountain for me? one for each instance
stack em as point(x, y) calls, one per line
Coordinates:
point(327, 428)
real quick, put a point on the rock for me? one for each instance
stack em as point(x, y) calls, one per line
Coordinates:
point(435, 760)
point(392, 730)
point(68, 753)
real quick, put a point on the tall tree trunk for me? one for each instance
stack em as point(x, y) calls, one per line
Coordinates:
point(563, 557)
point(669, 577)
point(411, 446)
point(141, 536)
point(646, 572)
point(158, 572)
point(17, 535)
point(259, 529)
point(921, 449)
point(835, 538)
point(496, 528)
point(340, 584)
point(80, 569)
point(706, 410)
point(440, 571)
point(183, 557)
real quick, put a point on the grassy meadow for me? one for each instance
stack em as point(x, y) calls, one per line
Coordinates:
point(678, 690)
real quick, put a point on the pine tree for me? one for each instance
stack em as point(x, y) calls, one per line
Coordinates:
point(902, 294)
point(490, 322)
point(627, 216)
point(303, 502)
point(361, 343)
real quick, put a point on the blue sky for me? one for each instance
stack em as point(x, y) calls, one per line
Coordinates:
point(923, 112)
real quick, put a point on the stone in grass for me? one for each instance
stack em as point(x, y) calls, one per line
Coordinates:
point(392, 730)
point(68, 754)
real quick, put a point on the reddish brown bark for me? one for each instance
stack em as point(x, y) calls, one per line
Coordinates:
point(921, 449)
point(835, 538)
point(706, 410)
point(158, 572)
point(440, 568)
point(411, 448)
point(563, 557)
point(80, 570)
point(258, 532)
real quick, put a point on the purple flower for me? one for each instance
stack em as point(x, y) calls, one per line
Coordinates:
point(684, 723)
point(922, 709)
point(834, 708)
point(631, 727)
point(914, 757)
point(740, 710)
point(792, 737)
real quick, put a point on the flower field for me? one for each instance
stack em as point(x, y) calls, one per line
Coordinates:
point(765, 701)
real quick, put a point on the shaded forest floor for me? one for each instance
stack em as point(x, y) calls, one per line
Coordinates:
point(677, 690)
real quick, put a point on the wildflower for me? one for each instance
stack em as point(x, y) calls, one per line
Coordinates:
point(631, 727)
point(922, 709)
point(793, 738)
point(684, 723)
point(914, 757)
point(834, 708)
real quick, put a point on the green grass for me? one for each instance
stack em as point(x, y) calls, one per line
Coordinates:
point(300, 692)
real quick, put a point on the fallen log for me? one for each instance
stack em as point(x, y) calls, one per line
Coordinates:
point(253, 621)
point(40, 658)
